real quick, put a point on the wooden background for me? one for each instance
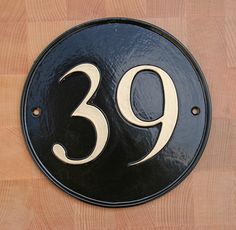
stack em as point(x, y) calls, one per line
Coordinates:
point(205, 200)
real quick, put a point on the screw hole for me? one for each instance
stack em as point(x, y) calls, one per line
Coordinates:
point(36, 112)
point(195, 110)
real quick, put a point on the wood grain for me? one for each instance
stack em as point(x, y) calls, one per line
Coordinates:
point(205, 200)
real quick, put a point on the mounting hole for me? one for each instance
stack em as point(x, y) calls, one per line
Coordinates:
point(195, 110)
point(36, 112)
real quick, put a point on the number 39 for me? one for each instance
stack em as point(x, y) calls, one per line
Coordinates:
point(96, 116)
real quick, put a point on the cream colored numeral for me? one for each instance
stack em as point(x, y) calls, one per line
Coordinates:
point(87, 111)
point(95, 115)
point(168, 119)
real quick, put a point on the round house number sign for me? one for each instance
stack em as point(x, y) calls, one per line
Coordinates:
point(116, 112)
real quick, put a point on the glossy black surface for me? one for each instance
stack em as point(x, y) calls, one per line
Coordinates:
point(115, 46)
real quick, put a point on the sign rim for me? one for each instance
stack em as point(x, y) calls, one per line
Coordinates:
point(191, 60)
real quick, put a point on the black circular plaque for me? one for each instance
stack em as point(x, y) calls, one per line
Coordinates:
point(116, 112)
